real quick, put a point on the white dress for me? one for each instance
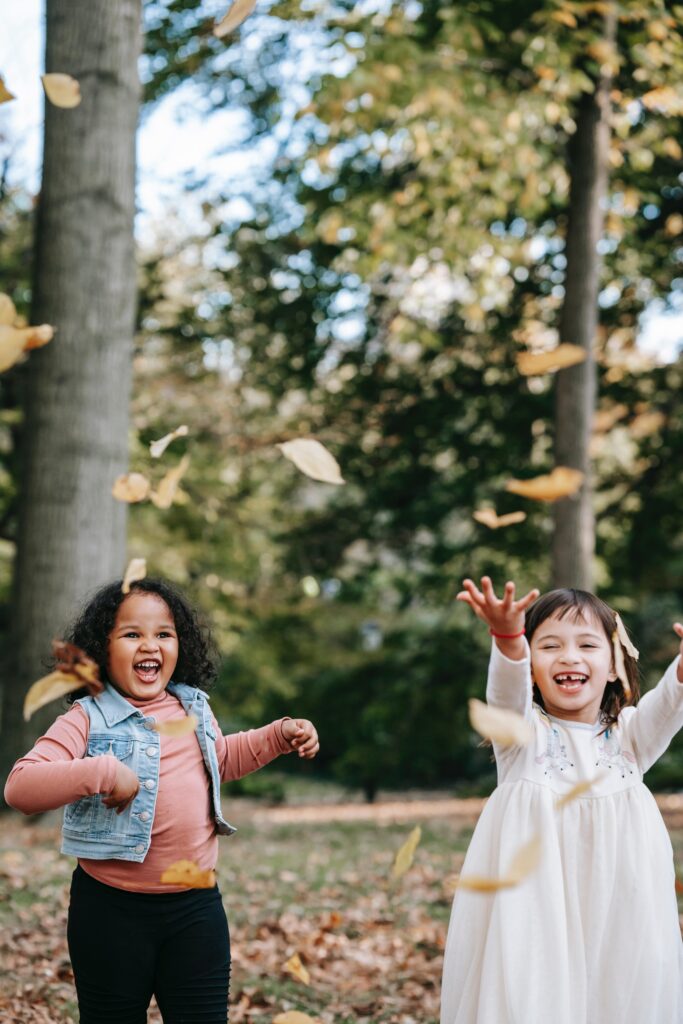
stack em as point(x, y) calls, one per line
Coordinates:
point(592, 935)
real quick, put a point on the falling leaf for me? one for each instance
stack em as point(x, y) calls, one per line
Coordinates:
point(177, 726)
point(620, 663)
point(62, 90)
point(5, 94)
point(157, 448)
point(295, 1017)
point(238, 13)
point(166, 491)
point(523, 863)
point(313, 459)
point(131, 487)
point(186, 872)
point(8, 313)
point(16, 340)
point(489, 517)
point(74, 671)
point(502, 726)
point(561, 483)
point(625, 639)
point(137, 570)
point(404, 857)
point(576, 791)
point(36, 337)
point(532, 364)
point(297, 969)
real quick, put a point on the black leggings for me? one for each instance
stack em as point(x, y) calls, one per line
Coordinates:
point(127, 946)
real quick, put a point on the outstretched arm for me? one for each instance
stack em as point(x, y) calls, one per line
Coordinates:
point(659, 716)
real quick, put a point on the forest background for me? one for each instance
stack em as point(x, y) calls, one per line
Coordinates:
point(415, 194)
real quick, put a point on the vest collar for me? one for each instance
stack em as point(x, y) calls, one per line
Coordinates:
point(115, 708)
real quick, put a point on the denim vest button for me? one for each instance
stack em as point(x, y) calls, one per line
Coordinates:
point(149, 726)
point(148, 783)
point(144, 816)
point(140, 848)
point(151, 751)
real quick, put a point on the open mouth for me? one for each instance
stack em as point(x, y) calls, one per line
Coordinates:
point(147, 670)
point(570, 682)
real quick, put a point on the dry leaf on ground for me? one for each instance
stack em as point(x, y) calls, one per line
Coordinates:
point(157, 448)
point(131, 487)
point(177, 726)
point(136, 570)
point(489, 517)
point(313, 459)
point(186, 872)
point(238, 13)
point(561, 483)
point(532, 364)
point(62, 90)
point(294, 967)
point(404, 857)
point(295, 1017)
point(502, 726)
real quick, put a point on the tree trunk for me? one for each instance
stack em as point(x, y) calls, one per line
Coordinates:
point(575, 397)
point(71, 534)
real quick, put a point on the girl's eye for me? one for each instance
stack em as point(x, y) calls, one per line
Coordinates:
point(131, 634)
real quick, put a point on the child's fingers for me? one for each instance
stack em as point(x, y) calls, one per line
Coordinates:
point(487, 589)
point(678, 629)
point(508, 595)
point(528, 599)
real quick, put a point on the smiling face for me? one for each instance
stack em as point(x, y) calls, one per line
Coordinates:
point(571, 663)
point(143, 646)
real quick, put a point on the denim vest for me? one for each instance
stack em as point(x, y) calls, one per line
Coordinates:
point(97, 832)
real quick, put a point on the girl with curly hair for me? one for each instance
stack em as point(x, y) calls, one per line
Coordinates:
point(141, 791)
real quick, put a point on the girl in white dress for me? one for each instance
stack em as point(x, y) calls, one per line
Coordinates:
point(591, 936)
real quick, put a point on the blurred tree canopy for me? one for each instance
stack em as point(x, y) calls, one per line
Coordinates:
point(392, 237)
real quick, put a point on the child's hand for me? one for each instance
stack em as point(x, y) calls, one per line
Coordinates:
point(126, 786)
point(504, 616)
point(678, 630)
point(302, 736)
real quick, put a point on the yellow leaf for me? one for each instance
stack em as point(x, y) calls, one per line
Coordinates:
point(137, 570)
point(5, 94)
point(535, 363)
point(502, 726)
point(295, 1017)
point(166, 491)
point(313, 459)
point(561, 483)
point(11, 346)
point(186, 872)
point(576, 791)
point(157, 448)
point(8, 311)
point(625, 639)
point(62, 90)
point(489, 517)
point(49, 688)
point(36, 337)
point(523, 863)
point(404, 857)
point(564, 18)
point(177, 727)
point(620, 663)
point(297, 969)
point(131, 487)
point(238, 13)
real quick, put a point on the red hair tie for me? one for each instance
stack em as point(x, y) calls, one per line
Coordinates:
point(507, 636)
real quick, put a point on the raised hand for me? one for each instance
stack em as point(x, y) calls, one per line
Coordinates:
point(126, 787)
point(504, 616)
point(301, 736)
point(678, 630)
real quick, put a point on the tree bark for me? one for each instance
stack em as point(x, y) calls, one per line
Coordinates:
point(71, 534)
point(576, 391)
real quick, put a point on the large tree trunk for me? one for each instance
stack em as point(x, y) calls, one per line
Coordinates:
point(575, 397)
point(71, 531)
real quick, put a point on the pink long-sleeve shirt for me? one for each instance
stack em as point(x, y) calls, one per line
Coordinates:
point(57, 772)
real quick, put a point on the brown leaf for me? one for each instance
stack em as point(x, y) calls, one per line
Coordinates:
point(238, 13)
point(313, 459)
point(131, 487)
point(404, 857)
point(136, 570)
point(186, 872)
point(157, 448)
point(532, 364)
point(8, 313)
point(11, 346)
point(620, 663)
point(36, 337)
point(177, 726)
point(72, 659)
point(61, 90)
point(561, 483)
point(295, 1017)
point(625, 639)
point(523, 863)
point(166, 491)
point(297, 969)
point(49, 688)
point(502, 726)
point(490, 518)
point(5, 94)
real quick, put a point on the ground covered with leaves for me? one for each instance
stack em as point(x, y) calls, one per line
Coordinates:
point(312, 881)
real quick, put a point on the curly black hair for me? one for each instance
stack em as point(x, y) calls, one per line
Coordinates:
point(197, 654)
